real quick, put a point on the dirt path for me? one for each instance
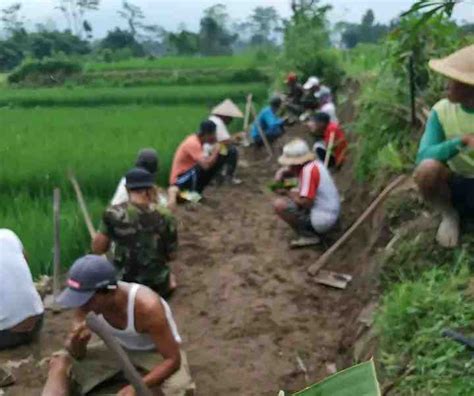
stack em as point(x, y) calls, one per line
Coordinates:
point(246, 307)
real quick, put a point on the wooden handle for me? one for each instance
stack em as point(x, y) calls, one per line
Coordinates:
point(247, 112)
point(329, 148)
point(131, 374)
point(82, 204)
point(57, 245)
point(314, 268)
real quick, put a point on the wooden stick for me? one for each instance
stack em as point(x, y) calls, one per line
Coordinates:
point(57, 246)
point(329, 148)
point(247, 112)
point(131, 374)
point(82, 204)
point(314, 268)
point(261, 133)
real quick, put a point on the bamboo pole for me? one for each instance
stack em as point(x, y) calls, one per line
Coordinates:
point(322, 261)
point(82, 204)
point(261, 133)
point(247, 112)
point(57, 246)
point(131, 374)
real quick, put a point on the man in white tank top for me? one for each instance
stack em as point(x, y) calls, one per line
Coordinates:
point(314, 208)
point(136, 316)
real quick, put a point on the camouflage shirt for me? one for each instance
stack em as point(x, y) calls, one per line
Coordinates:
point(144, 238)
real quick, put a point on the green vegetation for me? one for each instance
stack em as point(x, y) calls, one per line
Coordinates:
point(99, 144)
point(159, 95)
point(183, 62)
point(427, 289)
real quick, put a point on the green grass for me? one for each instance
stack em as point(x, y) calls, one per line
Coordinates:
point(363, 59)
point(100, 144)
point(182, 62)
point(157, 95)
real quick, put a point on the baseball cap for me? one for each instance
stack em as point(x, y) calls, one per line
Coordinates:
point(138, 178)
point(311, 82)
point(148, 159)
point(87, 275)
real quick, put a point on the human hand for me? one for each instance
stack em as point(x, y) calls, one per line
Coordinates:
point(127, 391)
point(280, 174)
point(468, 140)
point(77, 341)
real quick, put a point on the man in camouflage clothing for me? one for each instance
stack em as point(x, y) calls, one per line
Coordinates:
point(144, 234)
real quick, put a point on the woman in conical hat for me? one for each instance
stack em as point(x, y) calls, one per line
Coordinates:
point(445, 161)
point(222, 115)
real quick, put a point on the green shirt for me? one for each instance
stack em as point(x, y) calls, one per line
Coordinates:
point(442, 139)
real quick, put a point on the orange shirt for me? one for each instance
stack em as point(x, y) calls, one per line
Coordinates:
point(187, 155)
point(340, 142)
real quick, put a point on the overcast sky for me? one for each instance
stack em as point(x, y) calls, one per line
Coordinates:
point(171, 13)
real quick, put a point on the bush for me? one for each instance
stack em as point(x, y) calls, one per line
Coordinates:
point(46, 72)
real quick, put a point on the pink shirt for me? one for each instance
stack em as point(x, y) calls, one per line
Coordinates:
point(187, 156)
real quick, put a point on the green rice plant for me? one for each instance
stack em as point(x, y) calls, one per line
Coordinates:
point(183, 62)
point(158, 95)
point(40, 145)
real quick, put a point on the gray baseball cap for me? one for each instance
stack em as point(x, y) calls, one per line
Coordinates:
point(87, 275)
point(138, 178)
point(148, 159)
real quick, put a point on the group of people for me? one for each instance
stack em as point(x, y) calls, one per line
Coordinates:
point(127, 277)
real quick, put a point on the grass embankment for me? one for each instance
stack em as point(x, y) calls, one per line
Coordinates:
point(426, 289)
point(99, 144)
point(157, 95)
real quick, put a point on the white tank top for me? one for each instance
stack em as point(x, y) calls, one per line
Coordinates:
point(129, 338)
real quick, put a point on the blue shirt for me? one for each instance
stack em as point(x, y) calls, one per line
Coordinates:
point(269, 122)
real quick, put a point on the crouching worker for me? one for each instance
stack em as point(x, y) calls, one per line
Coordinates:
point(314, 208)
point(139, 320)
point(21, 308)
point(222, 115)
point(445, 172)
point(144, 234)
point(192, 170)
point(329, 136)
point(268, 122)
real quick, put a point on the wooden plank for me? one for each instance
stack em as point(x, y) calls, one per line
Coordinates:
point(322, 261)
point(332, 137)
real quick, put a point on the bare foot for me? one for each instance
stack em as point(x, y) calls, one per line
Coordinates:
point(448, 231)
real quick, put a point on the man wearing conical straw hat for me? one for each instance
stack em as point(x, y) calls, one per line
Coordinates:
point(445, 172)
point(222, 115)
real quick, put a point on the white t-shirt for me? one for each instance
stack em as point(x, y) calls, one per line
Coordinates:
point(121, 194)
point(330, 109)
point(222, 133)
point(19, 299)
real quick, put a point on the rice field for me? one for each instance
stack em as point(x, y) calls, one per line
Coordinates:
point(181, 62)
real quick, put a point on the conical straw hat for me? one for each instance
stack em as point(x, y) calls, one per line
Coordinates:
point(227, 108)
point(458, 66)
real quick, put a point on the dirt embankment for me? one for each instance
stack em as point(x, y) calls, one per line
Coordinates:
point(246, 307)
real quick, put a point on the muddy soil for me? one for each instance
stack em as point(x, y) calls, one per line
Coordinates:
point(246, 307)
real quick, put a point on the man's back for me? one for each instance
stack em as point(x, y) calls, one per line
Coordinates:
point(186, 156)
point(145, 236)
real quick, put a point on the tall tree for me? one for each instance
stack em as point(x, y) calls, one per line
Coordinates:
point(11, 19)
point(74, 12)
point(264, 22)
point(214, 37)
point(133, 15)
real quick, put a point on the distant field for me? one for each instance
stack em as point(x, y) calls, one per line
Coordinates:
point(363, 59)
point(156, 95)
point(181, 62)
point(99, 144)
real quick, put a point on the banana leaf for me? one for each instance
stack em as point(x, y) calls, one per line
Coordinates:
point(360, 380)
